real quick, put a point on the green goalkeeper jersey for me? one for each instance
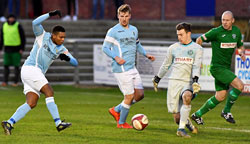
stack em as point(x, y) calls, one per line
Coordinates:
point(223, 44)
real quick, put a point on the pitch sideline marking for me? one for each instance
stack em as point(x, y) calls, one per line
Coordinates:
point(229, 129)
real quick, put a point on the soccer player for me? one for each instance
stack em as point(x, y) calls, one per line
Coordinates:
point(184, 60)
point(224, 40)
point(47, 47)
point(121, 44)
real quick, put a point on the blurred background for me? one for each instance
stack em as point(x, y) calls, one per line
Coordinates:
point(87, 22)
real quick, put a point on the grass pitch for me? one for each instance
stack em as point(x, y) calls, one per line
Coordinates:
point(87, 109)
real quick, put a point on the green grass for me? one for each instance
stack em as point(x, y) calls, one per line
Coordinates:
point(87, 109)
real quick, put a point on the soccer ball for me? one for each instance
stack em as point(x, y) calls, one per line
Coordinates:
point(139, 121)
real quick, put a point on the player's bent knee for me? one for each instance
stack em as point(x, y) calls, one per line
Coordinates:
point(128, 98)
point(241, 87)
point(140, 97)
point(32, 104)
point(187, 97)
point(221, 95)
point(238, 84)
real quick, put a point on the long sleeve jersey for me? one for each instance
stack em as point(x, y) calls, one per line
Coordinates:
point(185, 61)
point(44, 51)
point(123, 43)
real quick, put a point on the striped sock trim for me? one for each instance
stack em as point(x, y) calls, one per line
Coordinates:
point(57, 119)
point(49, 100)
point(12, 120)
point(125, 105)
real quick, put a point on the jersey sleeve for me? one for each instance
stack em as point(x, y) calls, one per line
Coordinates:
point(209, 36)
point(240, 40)
point(166, 63)
point(36, 24)
point(108, 43)
point(139, 47)
point(197, 62)
point(72, 60)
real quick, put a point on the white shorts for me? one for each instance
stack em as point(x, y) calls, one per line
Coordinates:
point(128, 81)
point(175, 90)
point(33, 79)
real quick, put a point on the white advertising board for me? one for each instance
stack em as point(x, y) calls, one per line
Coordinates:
point(146, 68)
point(242, 70)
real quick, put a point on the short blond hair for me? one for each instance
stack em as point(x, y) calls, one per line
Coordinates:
point(124, 8)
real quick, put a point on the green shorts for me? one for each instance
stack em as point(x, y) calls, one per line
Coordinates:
point(222, 77)
point(12, 59)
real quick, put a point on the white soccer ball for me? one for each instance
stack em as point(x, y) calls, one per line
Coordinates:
point(139, 121)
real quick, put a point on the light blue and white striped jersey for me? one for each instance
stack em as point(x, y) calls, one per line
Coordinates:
point(123, 43)
point(44, 51)
point(185, 61)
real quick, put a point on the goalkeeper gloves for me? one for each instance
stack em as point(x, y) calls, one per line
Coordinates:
point(155, 81)
point(196, 86)
point(55, 12)
point(64, 57)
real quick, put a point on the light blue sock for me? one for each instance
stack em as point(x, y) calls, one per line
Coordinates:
point(19, 114)
point(52, 107)
point(118, 108)
point(124, 113)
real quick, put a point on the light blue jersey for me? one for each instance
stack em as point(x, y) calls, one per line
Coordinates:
point(123, 43)
point(44, 51)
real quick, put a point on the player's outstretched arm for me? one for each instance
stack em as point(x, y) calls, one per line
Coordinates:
point(36, 24)
point(140, 49)
point(69, 58)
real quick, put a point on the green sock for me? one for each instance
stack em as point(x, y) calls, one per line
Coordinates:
point(210, 104)
point(231, 98)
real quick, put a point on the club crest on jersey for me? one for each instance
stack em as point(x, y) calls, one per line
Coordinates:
point(234, 36)
point(190, 52)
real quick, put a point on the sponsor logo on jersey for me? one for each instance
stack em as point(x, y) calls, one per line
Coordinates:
point(183, 60)
point(45, 46)
point(128, 40)
point(223, 35)
point(228, 45)
point(120, 31)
